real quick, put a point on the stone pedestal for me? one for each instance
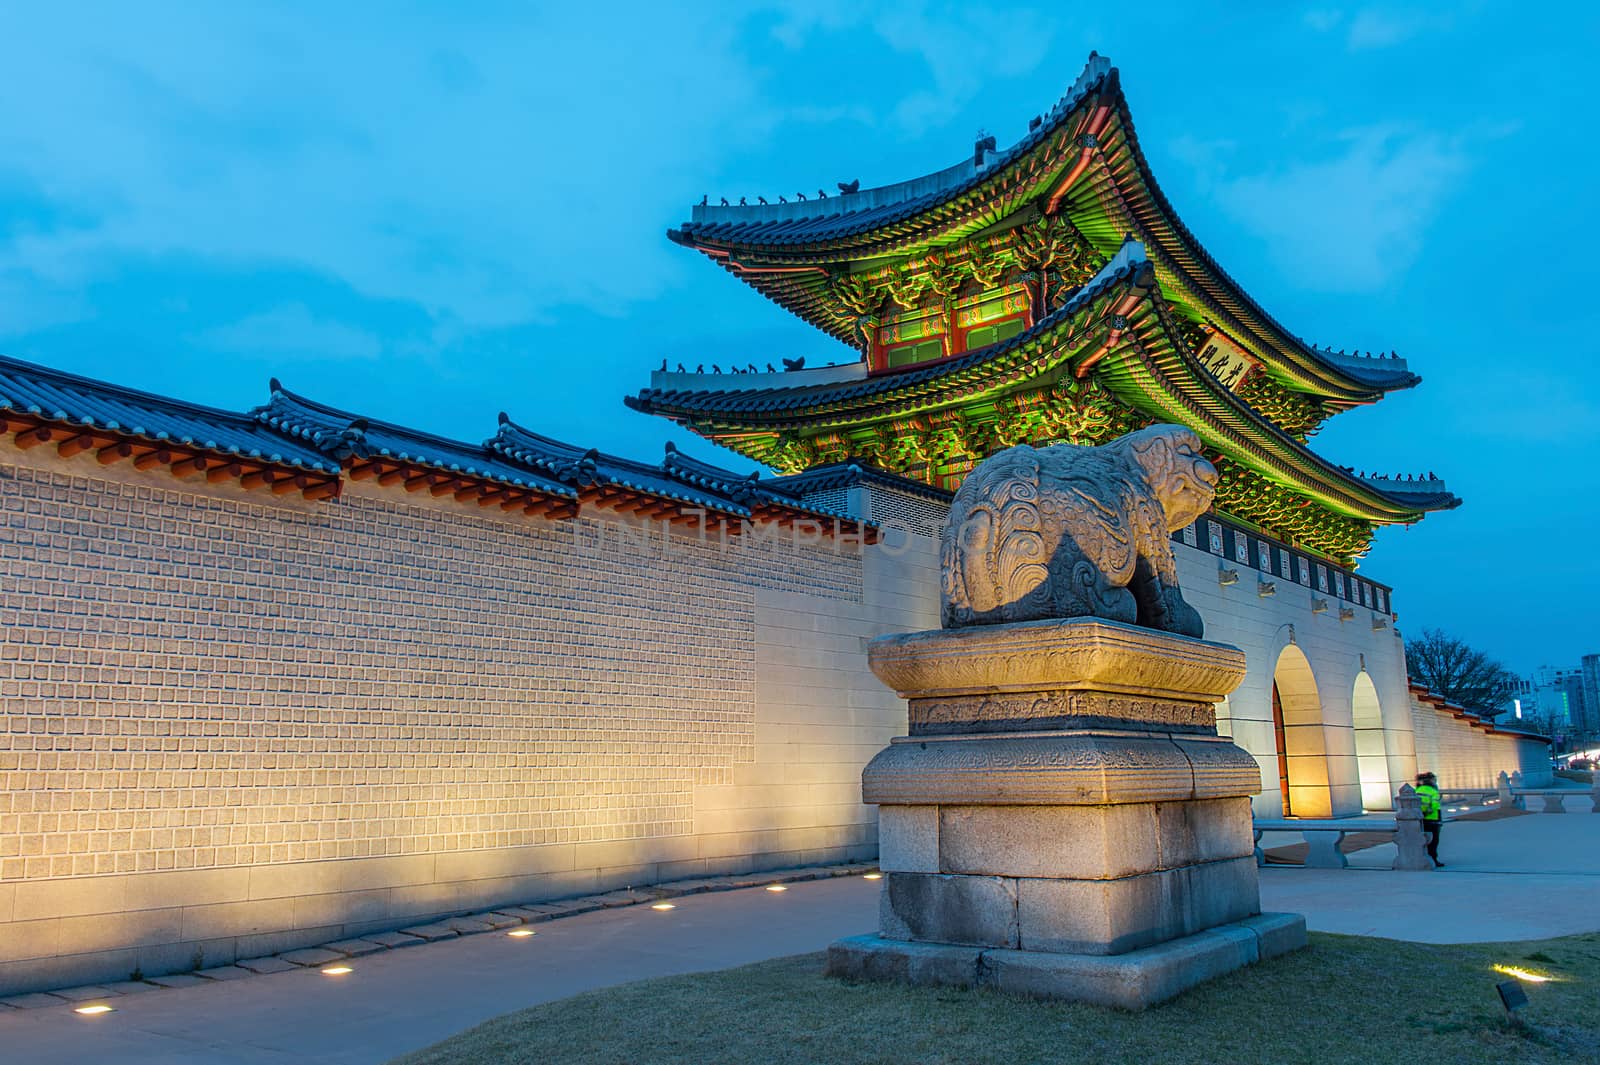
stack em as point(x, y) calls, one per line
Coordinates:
point(1062, 819)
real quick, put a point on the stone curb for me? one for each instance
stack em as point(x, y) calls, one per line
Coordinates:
point(445, 928)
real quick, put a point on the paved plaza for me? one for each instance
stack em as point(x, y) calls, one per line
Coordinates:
point(1520, 878)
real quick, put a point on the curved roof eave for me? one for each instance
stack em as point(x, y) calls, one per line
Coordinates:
point(1229, 421)
point(810, 230)
point(1123, 269)
point(1198, 400)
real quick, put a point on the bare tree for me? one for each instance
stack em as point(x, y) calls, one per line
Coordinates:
point(1462, 674)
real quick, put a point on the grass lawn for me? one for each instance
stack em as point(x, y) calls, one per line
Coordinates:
point(1344, 999)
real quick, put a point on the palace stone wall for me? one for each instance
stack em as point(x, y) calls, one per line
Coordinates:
point(1465, 756)
point(233, 724)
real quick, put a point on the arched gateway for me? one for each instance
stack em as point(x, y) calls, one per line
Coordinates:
point(1297, 727)
point(1372, 760)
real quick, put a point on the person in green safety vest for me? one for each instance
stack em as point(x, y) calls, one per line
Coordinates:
point(1432, 813)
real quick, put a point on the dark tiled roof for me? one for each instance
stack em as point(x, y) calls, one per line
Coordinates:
point(1390, 374)
point(1489, 724)
point(840, 216)
point(850, 474)
point(54, 396)
point(594, 468)
point(341, 435)
point(295, 431)
point(677, 476)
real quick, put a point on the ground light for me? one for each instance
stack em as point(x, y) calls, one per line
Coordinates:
point(872, 876)
point(521, 933)
point(90, 1011)
point(1522, 974)
point(663, 906)
point(336, 970)
point(777, 887)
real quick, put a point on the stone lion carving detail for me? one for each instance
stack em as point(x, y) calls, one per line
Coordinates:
point(1068, 531)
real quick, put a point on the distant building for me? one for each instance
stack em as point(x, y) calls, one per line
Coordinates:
point(1590, 671)
point(1559, 699)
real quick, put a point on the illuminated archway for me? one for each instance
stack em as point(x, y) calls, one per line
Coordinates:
point(1372, 760)
point(1302, 751)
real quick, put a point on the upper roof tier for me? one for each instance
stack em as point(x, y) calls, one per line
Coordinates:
point(1082, 160)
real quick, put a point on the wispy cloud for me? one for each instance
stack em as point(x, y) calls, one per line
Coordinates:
point(1322, 19)
point(960, 48)
point(1373, 27)
point(1351, 220)
point(291, 331)
point(442, 172)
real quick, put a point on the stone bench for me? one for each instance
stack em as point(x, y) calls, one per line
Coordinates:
point(1554, 799)
point(1323, 836)
point(1511, 792)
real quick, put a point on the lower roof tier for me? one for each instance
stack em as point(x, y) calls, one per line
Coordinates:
point(1111, 359)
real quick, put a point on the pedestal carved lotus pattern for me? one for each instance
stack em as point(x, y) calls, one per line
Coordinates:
point(1068, 531)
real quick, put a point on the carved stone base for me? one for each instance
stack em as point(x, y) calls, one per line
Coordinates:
point(1063, 795)
point(1132, 981)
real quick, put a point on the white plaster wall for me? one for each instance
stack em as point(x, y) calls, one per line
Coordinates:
point(1337, 652)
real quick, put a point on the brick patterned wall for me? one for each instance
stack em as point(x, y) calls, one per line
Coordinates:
point(1467, 757)
point(192, 681)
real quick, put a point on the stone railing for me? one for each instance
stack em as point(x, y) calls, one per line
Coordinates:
point(1324, 836)
point(1554, 800)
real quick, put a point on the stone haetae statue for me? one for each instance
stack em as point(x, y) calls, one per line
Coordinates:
point(1062, 819)
point(1067, 532)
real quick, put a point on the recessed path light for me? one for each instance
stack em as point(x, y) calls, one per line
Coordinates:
point(777, 887)
point(90, 1011)
point(872, 876)
point(336, 970)
point(664, 906)
point(521, 933)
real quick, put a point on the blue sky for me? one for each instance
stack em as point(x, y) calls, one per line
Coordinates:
point(431, 216)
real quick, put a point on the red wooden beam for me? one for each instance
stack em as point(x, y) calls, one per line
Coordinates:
point(30, 438)
point(113, 453)
point(157, 457)
point(190, 465)
point(445, 487)
point(75, 445)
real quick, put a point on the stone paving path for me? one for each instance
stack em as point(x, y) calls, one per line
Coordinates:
point(1520, 878)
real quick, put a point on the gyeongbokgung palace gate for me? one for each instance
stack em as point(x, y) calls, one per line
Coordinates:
point(282, 677)
point(1050, 293)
